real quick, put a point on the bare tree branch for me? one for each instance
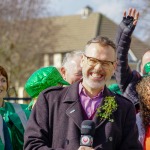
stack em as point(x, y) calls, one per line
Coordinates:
point(23, 36)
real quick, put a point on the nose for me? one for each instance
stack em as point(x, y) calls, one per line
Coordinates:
point(98, 66)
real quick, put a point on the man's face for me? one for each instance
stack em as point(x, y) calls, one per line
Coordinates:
point(73, 72)
point(145, 60)
point(95, 75)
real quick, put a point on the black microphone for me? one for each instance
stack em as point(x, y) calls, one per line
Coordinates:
point(87, 133)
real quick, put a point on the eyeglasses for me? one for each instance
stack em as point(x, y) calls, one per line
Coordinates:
point(93, 62)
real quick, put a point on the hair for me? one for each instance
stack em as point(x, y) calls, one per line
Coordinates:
point(143, 90)
point(4, 73)
point(69, 56)
point(103, 41)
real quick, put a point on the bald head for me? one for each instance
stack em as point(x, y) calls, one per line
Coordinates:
point(145, 59)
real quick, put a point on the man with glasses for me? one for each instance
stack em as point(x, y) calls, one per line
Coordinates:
point(55, 122)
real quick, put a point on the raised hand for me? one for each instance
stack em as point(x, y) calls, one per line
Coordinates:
point(131, 19)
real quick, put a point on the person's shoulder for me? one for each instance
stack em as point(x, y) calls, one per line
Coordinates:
point(10, 105)
point(53, 89)
point(125, 105)
point(120, 98)
point(52, 95)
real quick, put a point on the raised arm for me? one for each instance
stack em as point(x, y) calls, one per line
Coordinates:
point(126, 78)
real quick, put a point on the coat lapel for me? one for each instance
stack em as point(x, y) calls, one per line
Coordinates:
point(74, 110)
point(75, 113)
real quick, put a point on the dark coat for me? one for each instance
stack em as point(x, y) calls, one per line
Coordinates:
point(126, 78)
point(57, 116)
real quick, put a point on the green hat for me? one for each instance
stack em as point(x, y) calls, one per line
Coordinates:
point(147, 69)
point(43, 78)
point(114, 88)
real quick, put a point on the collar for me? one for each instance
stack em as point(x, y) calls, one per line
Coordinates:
point(82, 90)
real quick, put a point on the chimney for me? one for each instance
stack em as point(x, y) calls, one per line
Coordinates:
point(86, 11)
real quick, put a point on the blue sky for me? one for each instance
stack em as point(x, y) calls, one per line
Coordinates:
point(68, 7)
point(111, 8)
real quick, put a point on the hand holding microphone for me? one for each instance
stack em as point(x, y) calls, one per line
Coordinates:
point(87, 133)
point(85, 148)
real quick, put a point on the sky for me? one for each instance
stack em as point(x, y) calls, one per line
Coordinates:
point(111, 8)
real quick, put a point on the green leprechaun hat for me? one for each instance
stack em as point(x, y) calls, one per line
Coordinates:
point(43, 78)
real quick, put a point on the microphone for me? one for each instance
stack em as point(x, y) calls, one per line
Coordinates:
point(87, 133)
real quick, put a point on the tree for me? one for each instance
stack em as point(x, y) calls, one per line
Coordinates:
point(22, 37)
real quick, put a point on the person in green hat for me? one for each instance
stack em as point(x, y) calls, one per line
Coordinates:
point(40, 80)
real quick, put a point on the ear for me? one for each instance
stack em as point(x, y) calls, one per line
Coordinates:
point(114, 67)
point(82, 61)
point(63, 72)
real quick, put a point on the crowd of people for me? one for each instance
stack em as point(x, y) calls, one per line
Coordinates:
point(63, 99)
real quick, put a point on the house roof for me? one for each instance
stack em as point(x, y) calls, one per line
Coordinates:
point(74, 32)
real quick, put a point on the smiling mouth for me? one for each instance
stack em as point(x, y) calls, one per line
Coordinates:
point(97, 76)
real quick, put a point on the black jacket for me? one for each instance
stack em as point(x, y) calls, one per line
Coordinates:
point(126, 78)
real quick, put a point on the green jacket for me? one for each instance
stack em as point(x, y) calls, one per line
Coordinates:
point(18, 121)
point(16, 116)
point(10, 108)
